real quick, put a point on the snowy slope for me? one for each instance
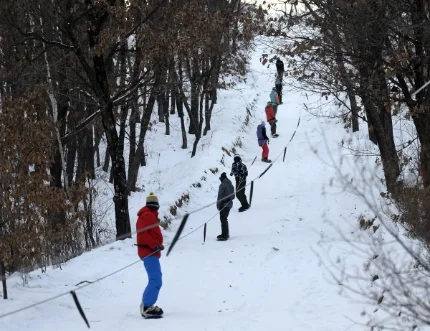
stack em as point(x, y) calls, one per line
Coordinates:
point(266, 277)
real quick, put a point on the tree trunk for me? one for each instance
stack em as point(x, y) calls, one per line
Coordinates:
point(133, 170)
point(122, 217)
point(194, 77)
point(354, 111)
point(180, 106)
point(106, 161)
point(212, 89)
point(97, 140)
point(385, 141)
point(421, 120)
point(166, 113)
point(3, 279)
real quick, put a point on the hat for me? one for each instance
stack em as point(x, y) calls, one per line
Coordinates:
point(237, 157)
point(263, 123)
point(152, 201)
point(223, 176)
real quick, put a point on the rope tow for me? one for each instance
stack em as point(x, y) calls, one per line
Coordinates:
point(175, 239)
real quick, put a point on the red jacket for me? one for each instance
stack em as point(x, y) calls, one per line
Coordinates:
point(151, 237)
point(270, 113)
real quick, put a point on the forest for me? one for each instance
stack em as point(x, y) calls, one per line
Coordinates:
point(81, 81)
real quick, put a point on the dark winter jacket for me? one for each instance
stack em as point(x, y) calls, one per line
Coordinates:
point(149, 239)
point(278, 84)
point(279, 65)
point(225, 194)
point(261, 135)
point(239, 170)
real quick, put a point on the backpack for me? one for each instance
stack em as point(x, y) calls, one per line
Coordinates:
point(270, 113)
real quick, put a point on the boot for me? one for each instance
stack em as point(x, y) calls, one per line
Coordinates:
point(265, 159)
point(243, 208)
point(222, 237)
point(151, 312)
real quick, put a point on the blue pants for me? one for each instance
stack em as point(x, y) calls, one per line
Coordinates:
point(153, 269)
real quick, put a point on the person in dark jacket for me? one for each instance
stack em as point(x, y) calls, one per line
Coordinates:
point(278, 86)
point(263, 141)
point(224, 204)
point(280, 67)
point(240, 172)
point(150, 243)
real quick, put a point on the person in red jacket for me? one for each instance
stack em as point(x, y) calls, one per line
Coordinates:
point(271, 118)
point(150, 245)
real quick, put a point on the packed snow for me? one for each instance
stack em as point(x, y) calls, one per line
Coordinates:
point(268, 276)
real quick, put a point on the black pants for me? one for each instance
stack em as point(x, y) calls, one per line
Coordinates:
point(223, 215)
point(272, 127)
point(279, 90)
point(240, 192)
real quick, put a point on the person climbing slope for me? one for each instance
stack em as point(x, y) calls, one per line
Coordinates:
point(263, 141)
point(280, 67)
point(271, 118)
point(150, 243)
point(224, 204)
point(274, 99)
point(278, 85)
point(240, 172)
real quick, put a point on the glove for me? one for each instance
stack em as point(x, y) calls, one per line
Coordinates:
point(158, 248)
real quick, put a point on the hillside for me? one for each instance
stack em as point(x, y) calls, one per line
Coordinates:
point(267, 276)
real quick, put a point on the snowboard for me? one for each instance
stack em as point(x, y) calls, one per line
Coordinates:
point(155, 317)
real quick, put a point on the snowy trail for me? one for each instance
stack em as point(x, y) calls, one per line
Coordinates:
point(241, 284)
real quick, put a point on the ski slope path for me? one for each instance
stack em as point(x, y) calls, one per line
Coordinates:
point(266, 277)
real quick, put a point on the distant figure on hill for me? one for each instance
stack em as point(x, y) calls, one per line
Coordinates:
point(274, 99)
point(278, 85)
point(263, 141)
point(224, 204)
point(280, 67)
point(150, 244)
point(240, 172)
point(271, 118)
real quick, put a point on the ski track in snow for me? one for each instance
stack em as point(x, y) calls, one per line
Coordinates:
point(266, 277)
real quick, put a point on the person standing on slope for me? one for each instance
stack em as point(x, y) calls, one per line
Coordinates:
point(278, 85)
point(280, 67)
point(240, 172)
point(150, 243)
point(263, 141)
point(274, 99)
point(224, 204)
point(271, 118)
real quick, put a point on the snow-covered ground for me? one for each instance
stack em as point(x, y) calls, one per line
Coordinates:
point(266, 277)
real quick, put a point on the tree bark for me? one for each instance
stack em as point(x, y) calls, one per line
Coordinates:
point(116, 150)
point(3, 279)
point(146, 117)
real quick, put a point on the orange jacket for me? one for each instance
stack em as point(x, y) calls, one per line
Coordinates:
point(270, 113)
point(151, 237)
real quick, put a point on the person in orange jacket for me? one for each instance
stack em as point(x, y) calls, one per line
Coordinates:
point(271, 118)
point(150, 245)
